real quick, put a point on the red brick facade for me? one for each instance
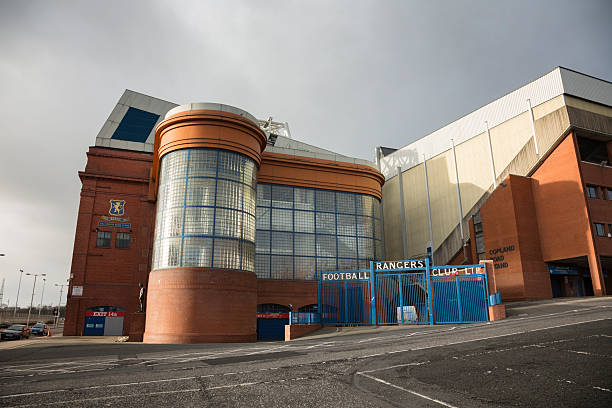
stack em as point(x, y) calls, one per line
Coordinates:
point(547, 218)
point(110, 276)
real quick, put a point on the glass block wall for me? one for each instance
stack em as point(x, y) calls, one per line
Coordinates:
point(205, 210)
point(302, 231)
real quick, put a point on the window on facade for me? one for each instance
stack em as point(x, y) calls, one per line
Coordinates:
point(610, 193)
point(122, 240)
point(479, 235)
point(593, 151)
point(104, 239)
point(303, 231)
point(591, 191)
point(309, 309)
point(272, 308)
point(600, 229)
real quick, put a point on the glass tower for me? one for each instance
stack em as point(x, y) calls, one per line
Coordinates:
point(205, 210)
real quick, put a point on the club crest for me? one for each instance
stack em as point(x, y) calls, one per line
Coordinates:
point(117, 207)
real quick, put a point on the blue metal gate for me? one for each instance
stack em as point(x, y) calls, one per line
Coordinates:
point(345, 297)
point(404, 292)
point(460, 294)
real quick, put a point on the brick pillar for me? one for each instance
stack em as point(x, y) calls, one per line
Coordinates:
point(490, 268)
point(599, 287)
point(137, 327)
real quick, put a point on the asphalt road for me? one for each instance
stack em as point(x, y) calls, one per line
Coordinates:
point(545, 355)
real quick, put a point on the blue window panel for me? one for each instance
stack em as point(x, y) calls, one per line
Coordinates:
point(135, 125)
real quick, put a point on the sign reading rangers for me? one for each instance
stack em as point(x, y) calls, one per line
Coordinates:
point(416, 264)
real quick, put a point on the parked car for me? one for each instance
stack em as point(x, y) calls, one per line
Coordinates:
point(4, 325)
point(16, 332)
point(39, 329)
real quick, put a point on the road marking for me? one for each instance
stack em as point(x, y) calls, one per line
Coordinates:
point(267, 350)
point(107, 386)
point(232, 386)
point(580, 352)
point(155, 393)
point(109, 397)
point(200, 356)
point(602, 389)
point(372, 338)
point(472, 326)
point(394, 366)
point(324, 344)
point(146, 382)
point(372, 355)
point(31, 393)
point(589, 354)
point(409, 391)
point(497, 336)
point(49, 365)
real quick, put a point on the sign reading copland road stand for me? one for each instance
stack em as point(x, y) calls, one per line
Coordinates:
point(420, 263)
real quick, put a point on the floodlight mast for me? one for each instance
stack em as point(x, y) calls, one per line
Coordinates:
point(277, 128)
point(36, 275)
point(18, 290)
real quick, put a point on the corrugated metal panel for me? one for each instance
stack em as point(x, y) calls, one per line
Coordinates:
point(513, 104)
point(586, 87)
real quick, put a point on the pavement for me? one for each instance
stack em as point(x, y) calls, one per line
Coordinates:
point(546, 354)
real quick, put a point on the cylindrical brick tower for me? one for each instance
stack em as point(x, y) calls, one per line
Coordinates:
point(202, 287)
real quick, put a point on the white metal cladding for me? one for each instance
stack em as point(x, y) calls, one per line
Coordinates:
point(555, 83)
point(212, 106)
point(586, 87)
point(285, 145)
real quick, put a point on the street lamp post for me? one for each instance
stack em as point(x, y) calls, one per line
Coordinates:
point(18, 289)
point(32, 299)
point(41, 298)
point(59, 303)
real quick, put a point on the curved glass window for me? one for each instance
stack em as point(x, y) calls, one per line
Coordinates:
point(205, 210)
point(303, 231)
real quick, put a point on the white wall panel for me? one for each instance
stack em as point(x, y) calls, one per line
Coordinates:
point(557, 82)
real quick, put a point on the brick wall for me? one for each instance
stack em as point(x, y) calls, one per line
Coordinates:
point(110, 276)
point(285, 292)
point(501, 239)
point(564, 221)
point(529, 221)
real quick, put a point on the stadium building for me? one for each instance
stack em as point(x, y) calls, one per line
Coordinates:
point(226, 220)
point(524, 181)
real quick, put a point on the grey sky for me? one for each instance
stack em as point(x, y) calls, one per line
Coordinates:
point(346, 75)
